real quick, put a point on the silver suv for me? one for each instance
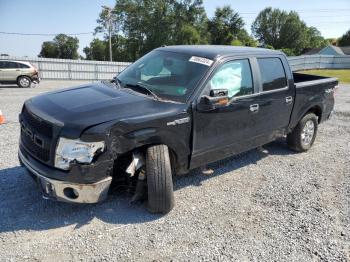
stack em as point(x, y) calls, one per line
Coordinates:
point(24, 74)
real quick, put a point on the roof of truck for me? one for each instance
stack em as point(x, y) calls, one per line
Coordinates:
point(213, 51)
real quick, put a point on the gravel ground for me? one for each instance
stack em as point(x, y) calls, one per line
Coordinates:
point(255, 207)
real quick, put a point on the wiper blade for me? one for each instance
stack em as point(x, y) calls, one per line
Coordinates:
point(145, 88)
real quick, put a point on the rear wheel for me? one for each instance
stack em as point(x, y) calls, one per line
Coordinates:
point(304, 134)
point(159, 179)
point(24, 81)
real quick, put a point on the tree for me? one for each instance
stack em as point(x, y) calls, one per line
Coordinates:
point(62, 46)
point(96, 50)
point(282, 30)
point(49, 50)
point(315, 39)
point(67, 46)
point(224, 26)
point(345, 39)
point(150, 24)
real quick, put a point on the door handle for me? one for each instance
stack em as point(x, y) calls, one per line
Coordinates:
point(289, 99)
point(254, 108)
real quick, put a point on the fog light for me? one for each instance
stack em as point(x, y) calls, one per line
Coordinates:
point(71, 193)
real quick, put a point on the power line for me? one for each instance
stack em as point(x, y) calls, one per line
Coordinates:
point(38, 34)
point(302, 11)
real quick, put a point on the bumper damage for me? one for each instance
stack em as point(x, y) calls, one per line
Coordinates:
point(67, 191)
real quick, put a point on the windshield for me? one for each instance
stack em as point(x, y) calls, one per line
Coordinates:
point(168, 75)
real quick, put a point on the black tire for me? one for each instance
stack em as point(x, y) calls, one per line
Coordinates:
point(295, 138)
point(159, 180)
point(24, 81)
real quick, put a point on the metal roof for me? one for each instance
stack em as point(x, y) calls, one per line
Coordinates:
point(214, 51)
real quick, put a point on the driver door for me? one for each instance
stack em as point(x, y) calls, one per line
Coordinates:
point(230, 129)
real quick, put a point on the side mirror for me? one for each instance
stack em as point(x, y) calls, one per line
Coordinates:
point(218, 98)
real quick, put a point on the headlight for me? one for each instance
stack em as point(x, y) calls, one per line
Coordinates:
point(69, 150)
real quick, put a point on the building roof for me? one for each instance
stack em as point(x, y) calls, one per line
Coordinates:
point(311, 51)
point(214, 51)
point(345, 49)
point(340, 50)
point(336, 49)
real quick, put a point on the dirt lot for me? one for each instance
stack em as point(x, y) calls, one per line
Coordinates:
point(255, 207)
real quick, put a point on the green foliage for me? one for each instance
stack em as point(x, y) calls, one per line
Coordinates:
point(139, 26)
point(315, 39)
point(281, 29)
point(97, 50)
point(236, 42)
point(151, 24)
point(288, 51)
point(224, 26)
point(345, 39)
point(62, 46)
point(49, 50)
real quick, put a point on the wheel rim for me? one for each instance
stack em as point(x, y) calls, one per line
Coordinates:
point(308, 132)
point(24, 82)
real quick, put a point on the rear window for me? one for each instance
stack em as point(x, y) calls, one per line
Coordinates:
point(23, 65)
point(272, 73)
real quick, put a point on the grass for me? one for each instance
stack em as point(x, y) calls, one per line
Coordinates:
point(343, 75)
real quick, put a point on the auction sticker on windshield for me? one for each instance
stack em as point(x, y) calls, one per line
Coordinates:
point(201, 60)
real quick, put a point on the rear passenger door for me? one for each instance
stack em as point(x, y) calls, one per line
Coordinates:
point(10, 71)
point(275, 97)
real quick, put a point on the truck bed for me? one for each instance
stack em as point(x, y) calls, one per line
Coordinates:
point(301, 80)
point(312, 89)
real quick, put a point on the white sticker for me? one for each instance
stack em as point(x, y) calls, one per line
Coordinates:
point(201, 60)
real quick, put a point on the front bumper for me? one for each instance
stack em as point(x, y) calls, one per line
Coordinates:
point(67, 191)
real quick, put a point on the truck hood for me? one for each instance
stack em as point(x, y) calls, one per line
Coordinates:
point(84, 106)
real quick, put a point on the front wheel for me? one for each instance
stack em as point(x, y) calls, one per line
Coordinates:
point(159, 179)
point(304, 134)
point(24, 81)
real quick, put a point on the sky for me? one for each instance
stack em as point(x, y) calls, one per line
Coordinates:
point(331, 18)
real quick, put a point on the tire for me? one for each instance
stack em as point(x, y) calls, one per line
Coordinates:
point(159, 180)
point(302, 137)
point(24, 81)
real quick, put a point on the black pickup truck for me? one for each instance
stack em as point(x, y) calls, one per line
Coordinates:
point(175, 109)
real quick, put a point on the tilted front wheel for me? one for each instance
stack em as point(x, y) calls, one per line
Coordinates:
point(159, 179)
point(304, 134)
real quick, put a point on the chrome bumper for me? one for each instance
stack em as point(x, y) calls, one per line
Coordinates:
point(69, 192)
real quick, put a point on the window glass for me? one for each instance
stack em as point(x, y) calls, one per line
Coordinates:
point(2, 64)
point(22, 65)
point(172, 76)
point(272, 73)
point(235, 76)
point(10, 65)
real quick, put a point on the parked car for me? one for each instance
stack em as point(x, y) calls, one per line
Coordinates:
point(17, 72)
point(175, 109)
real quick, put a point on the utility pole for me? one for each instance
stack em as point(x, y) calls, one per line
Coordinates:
point(109, 21)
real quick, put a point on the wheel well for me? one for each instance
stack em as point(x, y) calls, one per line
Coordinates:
point(317, 111)
point(123, 160)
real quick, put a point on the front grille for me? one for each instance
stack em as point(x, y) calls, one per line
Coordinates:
point(34, 149)
point(37, 124)
point(36, 135)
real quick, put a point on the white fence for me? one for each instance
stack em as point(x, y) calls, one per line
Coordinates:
point(50, 68)
point(319, 62)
